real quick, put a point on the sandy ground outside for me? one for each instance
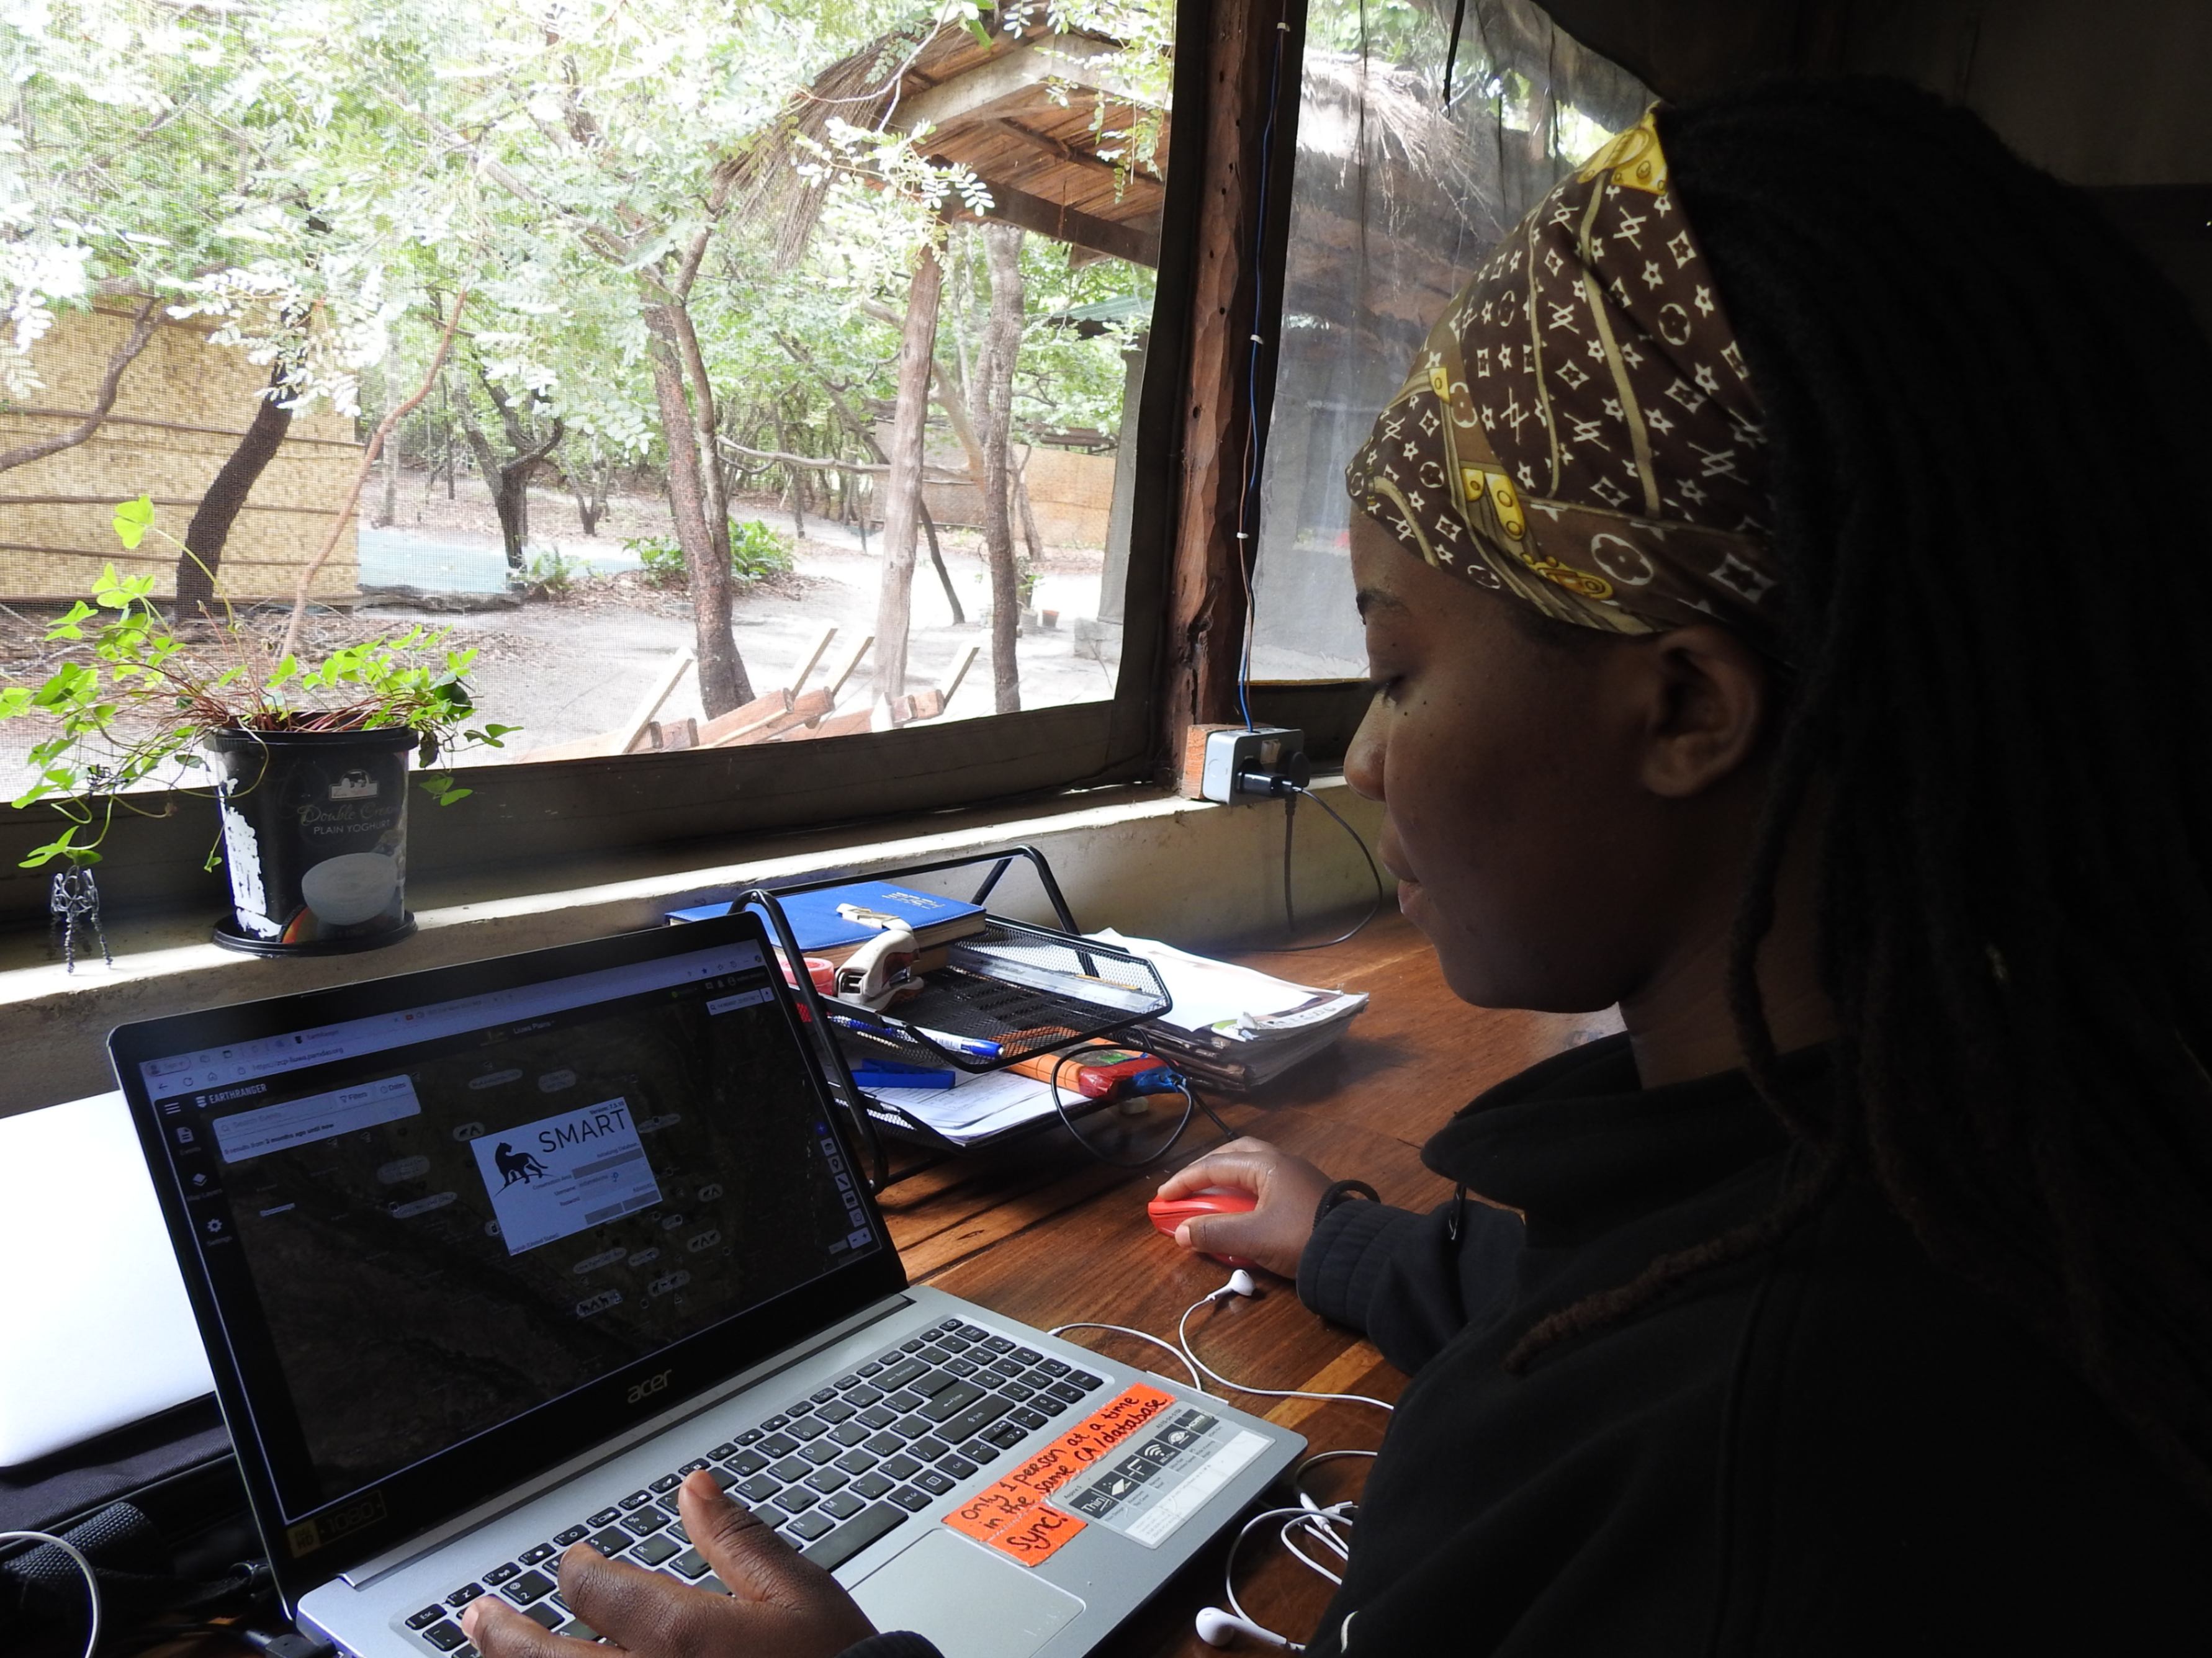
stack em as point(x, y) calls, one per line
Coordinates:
point(601, 648)
point(567, 666)
point(605, 642)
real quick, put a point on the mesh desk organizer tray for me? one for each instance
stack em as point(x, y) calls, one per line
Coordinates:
point(1028, 989)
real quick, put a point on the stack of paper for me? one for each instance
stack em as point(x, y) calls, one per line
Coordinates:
point(1233, 1028)
point(976, 1106)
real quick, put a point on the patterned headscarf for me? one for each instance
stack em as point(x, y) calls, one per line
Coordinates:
point(1579, 429)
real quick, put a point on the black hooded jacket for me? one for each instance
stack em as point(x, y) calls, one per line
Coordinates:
point(1831, 1448)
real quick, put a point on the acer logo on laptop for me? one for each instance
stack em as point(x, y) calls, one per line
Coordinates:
point(647, 1388)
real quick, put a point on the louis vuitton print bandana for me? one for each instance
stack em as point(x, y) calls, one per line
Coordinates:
point(1579, 430)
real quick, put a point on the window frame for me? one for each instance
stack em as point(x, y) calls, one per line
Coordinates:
point(156, 850)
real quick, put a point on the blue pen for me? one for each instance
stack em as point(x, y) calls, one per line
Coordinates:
point(974, 1047)
point(880, 1032)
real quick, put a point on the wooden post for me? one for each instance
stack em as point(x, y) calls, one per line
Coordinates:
point(902, 490)
point(628, 736)
point(814, 656)
point(805, 709)
point(1206, 605)
point(837, 685)
point(718, 731)
point(967, 661)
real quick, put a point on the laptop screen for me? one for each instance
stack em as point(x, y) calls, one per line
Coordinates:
point(422, 1224)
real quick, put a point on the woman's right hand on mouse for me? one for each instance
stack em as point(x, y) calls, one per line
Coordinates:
point(1273, 1233)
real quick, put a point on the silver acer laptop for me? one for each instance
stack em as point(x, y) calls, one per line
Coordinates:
point(488, 1257)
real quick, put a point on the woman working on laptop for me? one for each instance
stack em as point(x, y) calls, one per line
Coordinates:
point(1778, 573)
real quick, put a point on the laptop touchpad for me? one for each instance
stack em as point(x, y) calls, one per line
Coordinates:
point(965, 1599)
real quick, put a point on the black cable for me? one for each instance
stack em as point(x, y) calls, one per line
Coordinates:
point(1451, 53)
point(286, 1644)
point(1290, 792)
point(280, 1644)
point(156, 1635)
point(1191, 1104)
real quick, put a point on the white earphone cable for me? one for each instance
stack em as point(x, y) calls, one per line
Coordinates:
point(1324, 1532)
point(1312, 1529)
point(91, 1578)
point(1317, 1521)
point(1123, 1329)
point(1182, 1340)
point(1299, 1473)
point(1228, 1566)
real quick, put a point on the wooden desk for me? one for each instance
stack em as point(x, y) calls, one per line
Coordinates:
point(1046, 1235)
point(1049, 1236)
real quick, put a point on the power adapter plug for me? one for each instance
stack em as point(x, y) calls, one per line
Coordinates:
point(1260, 763)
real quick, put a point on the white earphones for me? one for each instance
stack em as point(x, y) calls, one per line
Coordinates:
point(1240, 1284)
point(1218, 1628)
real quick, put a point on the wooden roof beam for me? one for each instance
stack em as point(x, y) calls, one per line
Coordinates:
point(1008, 79)
point(1060, 150)
point(1066, 224)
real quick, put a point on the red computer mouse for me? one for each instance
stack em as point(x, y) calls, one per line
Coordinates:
point(1167, 1213)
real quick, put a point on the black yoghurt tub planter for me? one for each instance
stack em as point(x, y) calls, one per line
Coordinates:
point(314, 836)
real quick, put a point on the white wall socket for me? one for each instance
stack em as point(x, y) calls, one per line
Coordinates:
point(1265, 750)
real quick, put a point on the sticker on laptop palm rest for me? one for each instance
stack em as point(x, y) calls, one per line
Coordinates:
point(1010, 1513)
point(1094, 1473)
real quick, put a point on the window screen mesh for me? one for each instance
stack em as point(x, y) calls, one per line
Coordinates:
point(1399, 193)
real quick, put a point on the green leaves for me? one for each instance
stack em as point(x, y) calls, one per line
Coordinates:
point(132, 519)
point(756, 552)
point(130, 703)
point(62, 846)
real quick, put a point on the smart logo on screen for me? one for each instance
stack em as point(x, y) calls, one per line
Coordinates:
point(562, 1173)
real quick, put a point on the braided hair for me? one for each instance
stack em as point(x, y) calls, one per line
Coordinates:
point(1988, 431)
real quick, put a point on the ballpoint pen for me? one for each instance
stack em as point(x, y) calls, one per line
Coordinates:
point(974, 1047)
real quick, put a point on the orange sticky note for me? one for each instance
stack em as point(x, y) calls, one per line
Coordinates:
point(1038, 1537)
point(1010, 1515)
point(1014, 1521)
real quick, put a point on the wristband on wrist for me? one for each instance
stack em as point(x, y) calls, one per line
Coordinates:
point(1341, 1190)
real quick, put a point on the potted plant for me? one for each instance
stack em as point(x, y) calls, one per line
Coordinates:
point(308, 763)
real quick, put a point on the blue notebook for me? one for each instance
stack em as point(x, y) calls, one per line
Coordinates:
point(821, 931)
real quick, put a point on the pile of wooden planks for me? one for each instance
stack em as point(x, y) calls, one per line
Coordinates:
point(792, 713)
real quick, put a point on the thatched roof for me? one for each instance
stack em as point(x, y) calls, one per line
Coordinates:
point(1029, 113)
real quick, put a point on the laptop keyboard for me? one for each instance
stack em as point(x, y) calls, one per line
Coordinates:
point(831, 1473)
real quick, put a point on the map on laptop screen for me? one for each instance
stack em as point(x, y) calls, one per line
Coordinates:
point(450, 1215)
